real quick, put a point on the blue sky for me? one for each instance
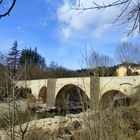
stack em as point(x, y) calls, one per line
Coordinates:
point(60, 34)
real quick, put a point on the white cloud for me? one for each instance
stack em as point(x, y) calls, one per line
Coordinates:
point(86, 20)
point(124, 39)
point(99, 31)
point(20, 29)
point(66, 32)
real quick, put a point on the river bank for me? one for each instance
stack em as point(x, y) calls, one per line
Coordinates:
point(5, 106)
point(53, 126)
point(118, 124)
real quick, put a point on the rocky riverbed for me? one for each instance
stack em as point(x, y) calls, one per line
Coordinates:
point(110, 124)
point(61, 128)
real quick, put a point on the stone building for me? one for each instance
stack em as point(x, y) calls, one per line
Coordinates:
point(121, 71)
point(128, 70)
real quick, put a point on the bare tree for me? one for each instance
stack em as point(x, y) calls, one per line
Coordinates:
point(6, 7)
point(128, 53)
point(99, 62)
point(96, 60)
point(129, 11)
point(11, 115)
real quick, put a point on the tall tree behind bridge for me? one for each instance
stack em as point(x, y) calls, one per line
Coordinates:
point(29, 56)
point(13, 58)
point(33, 63)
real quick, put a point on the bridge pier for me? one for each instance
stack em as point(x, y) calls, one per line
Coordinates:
point(51, 87)
point(94, 93)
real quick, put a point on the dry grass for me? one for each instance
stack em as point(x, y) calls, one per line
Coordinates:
point(121, 123)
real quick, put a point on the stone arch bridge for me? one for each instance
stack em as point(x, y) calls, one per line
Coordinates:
point(90, 90)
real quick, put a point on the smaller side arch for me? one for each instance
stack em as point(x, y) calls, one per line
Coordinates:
point(107, 99)
point(22, 92)
point(43, 94)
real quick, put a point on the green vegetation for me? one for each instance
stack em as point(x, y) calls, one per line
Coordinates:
point(29, 64)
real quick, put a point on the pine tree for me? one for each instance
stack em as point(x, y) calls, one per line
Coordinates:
point(13, 58)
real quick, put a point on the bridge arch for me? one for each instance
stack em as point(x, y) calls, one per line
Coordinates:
point(22, 92)
point(43, 94)
point(71, 96)
point(109, 96)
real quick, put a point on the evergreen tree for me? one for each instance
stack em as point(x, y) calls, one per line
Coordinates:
point(30, 56)
point(13, 58)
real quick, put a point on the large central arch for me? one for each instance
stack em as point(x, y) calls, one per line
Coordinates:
point(71, 97)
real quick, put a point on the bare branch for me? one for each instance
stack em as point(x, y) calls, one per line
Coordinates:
point(130, 12)
point(103, 6)
point(9, 10)
point(1, 1)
